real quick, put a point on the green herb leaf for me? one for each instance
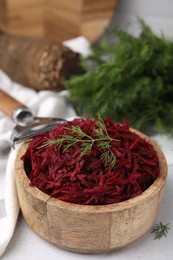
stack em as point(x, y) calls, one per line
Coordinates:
point(109, 158)
point(160, 230)
point(86, 148)
point(77, 135)
point(128, 77)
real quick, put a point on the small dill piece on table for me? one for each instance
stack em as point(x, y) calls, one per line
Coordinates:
point(102, 140)
point(160, 230)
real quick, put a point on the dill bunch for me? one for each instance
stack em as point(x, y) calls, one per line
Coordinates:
point(128, 77)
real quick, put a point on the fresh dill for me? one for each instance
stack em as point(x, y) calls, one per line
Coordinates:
point(160, 230)
point(129, 76)
point(77, 135)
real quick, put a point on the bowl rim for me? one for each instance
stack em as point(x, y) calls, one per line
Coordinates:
point(152, 191)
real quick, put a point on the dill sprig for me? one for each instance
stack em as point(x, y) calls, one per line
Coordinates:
point(160, 230)
point(102, 140)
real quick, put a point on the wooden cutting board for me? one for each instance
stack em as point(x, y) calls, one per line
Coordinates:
point(57, 19)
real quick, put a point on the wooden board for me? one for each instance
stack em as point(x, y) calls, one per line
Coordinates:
point(23, 17)
point(57, 19)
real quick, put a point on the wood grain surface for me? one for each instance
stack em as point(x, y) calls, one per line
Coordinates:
point(8, 104)
point(57, 19)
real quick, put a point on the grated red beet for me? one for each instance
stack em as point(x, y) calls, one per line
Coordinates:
point(86, 180)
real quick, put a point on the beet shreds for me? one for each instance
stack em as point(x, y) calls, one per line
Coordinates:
point(68, 176)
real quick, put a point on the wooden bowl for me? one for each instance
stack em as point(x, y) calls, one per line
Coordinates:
point(90, 229)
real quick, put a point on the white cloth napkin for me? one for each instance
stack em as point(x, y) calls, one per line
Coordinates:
point(43, 103)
